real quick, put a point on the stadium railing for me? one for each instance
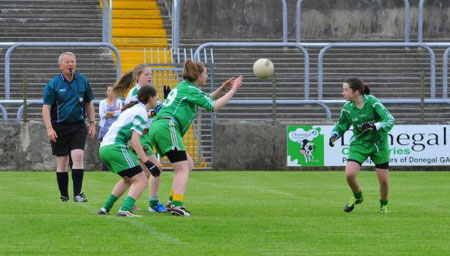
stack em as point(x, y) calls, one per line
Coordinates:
point(4, 113)
point(372, 45)
point(176, 4)
point(444, 74)
point(54, 44)
point(299, 10)
point(107, 6)
point(261, 44)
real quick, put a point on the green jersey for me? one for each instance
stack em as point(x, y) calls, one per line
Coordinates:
point(182, 104)
point(374, 112)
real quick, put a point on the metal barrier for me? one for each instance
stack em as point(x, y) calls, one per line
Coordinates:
point(445, 74)
point(382, 45)
point(4, 113)
point(6, 45)
point(53, 44)
point(298, 20)
point(420, 29)
point(284, 102)
point(186, 54)
point(107, 6)
point(324, 103)
point(232, 44)
point(176, 5)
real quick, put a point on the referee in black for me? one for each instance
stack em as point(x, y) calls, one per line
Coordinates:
point(67, 98)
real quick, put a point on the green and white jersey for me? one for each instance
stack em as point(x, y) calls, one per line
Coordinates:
point(132, 94)
point(374, 112)
point(132, 119)
point(182, 104)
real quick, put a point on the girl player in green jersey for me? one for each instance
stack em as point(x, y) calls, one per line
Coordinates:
point(123, 159)
point(173, 120)
point(142, 76)
point(371, 123)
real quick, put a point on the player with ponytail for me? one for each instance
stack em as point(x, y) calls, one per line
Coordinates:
point(371, 123)
point(122, 158)
point(175, 117)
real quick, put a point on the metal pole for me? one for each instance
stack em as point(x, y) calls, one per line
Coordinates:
point(422, 95)
point(420, 29)
point(274, 98)
point(285, 23)
point(298, 17)
point(445, 74)
point(407, 20)
point(24, 96)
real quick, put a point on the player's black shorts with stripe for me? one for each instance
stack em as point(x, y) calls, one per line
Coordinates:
point(70, 137)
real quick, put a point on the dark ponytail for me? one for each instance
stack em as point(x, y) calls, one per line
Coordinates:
point(357, 84)
point(144, 94)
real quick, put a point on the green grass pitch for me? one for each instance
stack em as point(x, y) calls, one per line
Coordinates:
point(234, 213)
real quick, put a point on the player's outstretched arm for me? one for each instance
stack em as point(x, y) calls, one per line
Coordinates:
point(222, 101)
point(225, 86)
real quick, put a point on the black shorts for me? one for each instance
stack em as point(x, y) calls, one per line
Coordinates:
point(176, 156)
point(130, 173)
point(70, 137)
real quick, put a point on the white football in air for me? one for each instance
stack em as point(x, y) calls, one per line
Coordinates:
point(263, 69)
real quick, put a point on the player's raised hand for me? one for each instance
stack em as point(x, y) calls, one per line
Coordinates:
point(227, 85)
point(237, 83)
point(167, 90)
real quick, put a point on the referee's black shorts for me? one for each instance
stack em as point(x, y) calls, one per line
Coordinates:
point(70, 137)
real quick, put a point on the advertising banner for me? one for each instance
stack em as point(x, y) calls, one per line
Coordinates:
point(410, 145)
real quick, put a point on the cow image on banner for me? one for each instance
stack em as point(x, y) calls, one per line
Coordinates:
point(305, 146)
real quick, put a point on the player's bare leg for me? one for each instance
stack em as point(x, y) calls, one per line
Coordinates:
point(351, 172)
point(182, 170)
point(383, 179)
point(153, 183)
point(138, 184)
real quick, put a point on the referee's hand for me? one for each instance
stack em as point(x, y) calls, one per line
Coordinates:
point(52, 135)
point(91, 131)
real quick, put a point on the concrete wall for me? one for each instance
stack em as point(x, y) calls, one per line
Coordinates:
point(255, 145)
point(27, 147)
point(321, 19)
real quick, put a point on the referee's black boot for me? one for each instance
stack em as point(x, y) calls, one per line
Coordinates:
point(80, 198)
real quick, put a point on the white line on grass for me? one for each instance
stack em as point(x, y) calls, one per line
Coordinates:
point(139, 224)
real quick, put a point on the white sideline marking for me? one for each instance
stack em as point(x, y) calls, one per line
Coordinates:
point(138, 224)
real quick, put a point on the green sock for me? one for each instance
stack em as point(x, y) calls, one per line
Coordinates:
point(110, 202)
point(127, 203)
point(171, 195)
point(358, 195)
point(383, 202)
point(153, 201)
point(177, 203)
